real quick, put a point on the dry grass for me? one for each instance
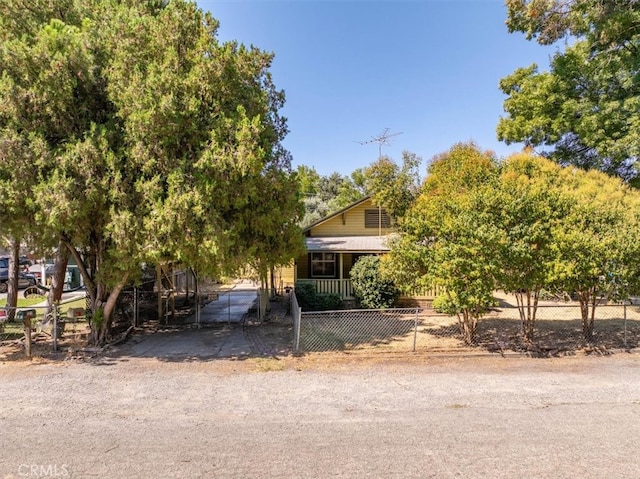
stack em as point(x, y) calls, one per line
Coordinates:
point(558, 330)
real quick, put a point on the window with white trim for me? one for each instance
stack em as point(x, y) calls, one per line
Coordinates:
point(323, 265)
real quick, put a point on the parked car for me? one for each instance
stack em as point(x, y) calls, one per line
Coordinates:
point(24, 280)
point(36, 270)
point(23, 261)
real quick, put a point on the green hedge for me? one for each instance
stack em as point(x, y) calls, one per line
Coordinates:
point(310, 300)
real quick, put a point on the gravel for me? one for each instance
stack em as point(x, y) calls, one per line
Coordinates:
point(322, 416)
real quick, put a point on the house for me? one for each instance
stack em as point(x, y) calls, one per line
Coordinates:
point(335, 242)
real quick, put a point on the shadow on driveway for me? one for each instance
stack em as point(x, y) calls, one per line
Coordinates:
point(220, 341)
point(223, 333)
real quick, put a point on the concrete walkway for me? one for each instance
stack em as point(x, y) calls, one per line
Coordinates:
point(230, 306)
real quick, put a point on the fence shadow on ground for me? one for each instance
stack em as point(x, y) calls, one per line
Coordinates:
point(175, 337)
point(358, 329)
point(335, 337)
point(557, 331)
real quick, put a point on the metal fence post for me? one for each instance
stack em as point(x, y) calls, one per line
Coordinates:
point(135, 306)
point(27, 336)
point(196, 289)
point(259, 303)
point(198, 312)
point(54, 333)
point(296, 326)
point(415, 331)
point(625, 325)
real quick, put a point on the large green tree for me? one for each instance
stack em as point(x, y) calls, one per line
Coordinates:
point(392, 186)
point(445, 239)
point(585, 110)
point(596, 243)
point(16, 174)
point(155, 142)
point(323, 195)
point(525, 204)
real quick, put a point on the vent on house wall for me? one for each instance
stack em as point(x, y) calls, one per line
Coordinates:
point(376, 218)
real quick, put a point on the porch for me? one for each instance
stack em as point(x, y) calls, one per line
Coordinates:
point(344, 289)
point(337, 286)
point(328, 271)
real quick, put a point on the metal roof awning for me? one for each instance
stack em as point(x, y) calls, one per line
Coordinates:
point(348, 244)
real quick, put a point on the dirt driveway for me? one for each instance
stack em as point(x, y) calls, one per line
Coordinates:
point(322, 416)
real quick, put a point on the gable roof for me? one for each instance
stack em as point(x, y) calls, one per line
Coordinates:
point(337, 213)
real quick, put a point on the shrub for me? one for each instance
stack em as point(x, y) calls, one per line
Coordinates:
point(310, 300)
point(370, 287)
point(448, 304)
point(306, 293)
point(328, 302)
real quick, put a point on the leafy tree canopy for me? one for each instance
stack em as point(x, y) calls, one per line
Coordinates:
point(585, 110)
point(394, 187)
point(149, 140)
point(324, 195)
point(520, 226)
point(446, 239)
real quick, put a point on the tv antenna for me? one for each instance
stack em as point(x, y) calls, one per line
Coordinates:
point(383, 138)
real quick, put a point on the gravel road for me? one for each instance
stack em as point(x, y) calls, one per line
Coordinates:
point(575, 417)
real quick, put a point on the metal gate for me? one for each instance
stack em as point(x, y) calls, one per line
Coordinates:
point(227, 306)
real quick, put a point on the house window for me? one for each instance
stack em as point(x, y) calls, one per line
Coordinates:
point(376, 218)
point(323, 265)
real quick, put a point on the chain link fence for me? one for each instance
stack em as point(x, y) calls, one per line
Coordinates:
point(181, 300)
point(36, 330)
point(558, 329)
point(166, 303)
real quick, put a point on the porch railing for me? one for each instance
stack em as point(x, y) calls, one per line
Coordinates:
point(337, 286)
point(344, 289)
point(423, 293)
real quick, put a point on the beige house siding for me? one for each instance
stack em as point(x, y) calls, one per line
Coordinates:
point(285, 276)
point(349, 223)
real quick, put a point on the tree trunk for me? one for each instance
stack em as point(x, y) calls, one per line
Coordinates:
point(103, 309)
point(12, 276)
point(57, 280)
point(527, 301)
point(273, 282)
point(102, 300)
point(588, 300)
point(468, 322)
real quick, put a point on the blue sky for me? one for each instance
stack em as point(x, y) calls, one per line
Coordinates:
point(428, 69)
